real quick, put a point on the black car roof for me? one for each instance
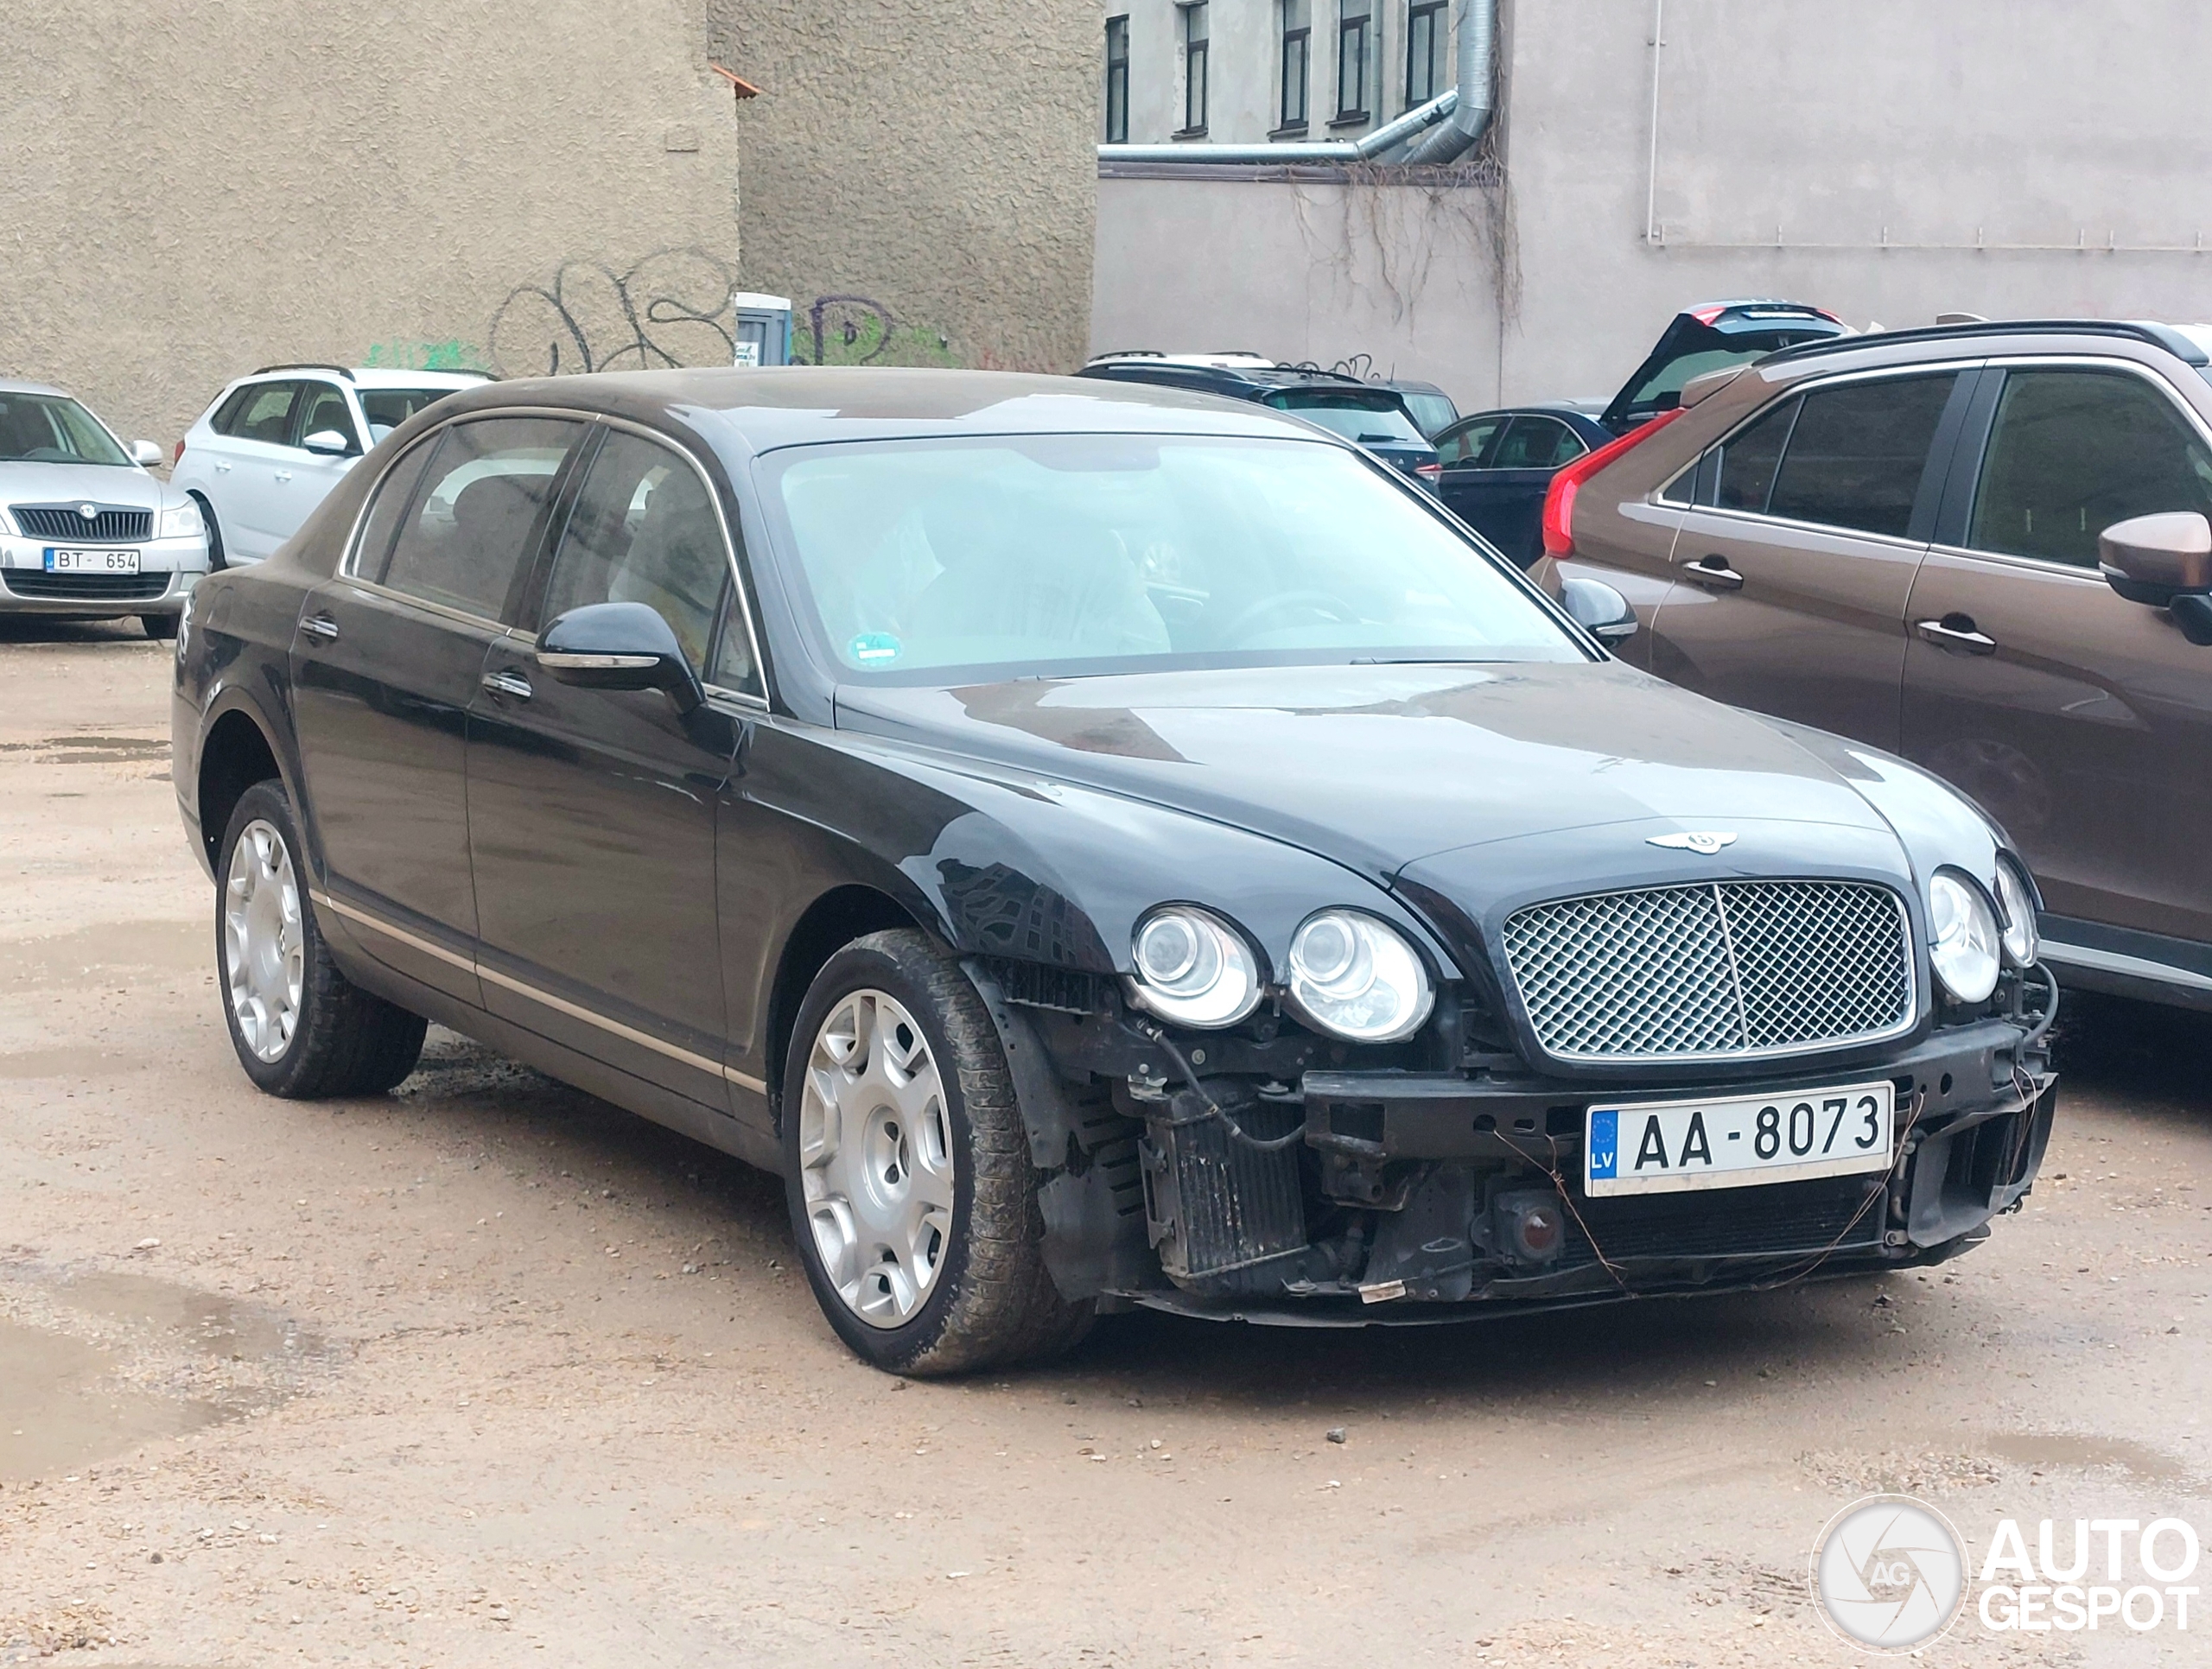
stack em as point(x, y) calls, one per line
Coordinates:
point(2157, 335)
point(1245, 380)
point(796, 405)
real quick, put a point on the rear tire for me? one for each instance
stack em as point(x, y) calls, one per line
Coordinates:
point(906, 1165)
point(302, 1029)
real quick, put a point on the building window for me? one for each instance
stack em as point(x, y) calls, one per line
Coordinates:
point(1193, 20)
point(1427, 32)
point(1297, 63)
point(1117, 80)
point(1355, 33)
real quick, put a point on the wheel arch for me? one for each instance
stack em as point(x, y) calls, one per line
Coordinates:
point(235, 752)
point(833, 920)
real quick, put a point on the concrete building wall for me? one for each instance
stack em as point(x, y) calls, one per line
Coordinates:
point(928, 161)
point(1889, 160)
point(190, 191)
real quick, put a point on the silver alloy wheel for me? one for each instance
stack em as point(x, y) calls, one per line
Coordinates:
point(875, 1158)
point(263, 942)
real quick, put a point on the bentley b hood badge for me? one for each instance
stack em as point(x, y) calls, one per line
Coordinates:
point(1703, 841)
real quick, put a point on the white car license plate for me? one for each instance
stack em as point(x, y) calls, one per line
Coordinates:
point(1670, 1147)
point(59, 561)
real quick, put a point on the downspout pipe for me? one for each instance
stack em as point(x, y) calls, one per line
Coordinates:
point(1471, 114)
point(1410, 126)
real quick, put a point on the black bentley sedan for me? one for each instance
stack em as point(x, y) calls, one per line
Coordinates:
point(1102, 846)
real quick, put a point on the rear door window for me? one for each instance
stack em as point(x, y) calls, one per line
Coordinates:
point(1463, 448)
point(1738, 474)
point(1857, 453)
point(2074, 450)
point(477, 514)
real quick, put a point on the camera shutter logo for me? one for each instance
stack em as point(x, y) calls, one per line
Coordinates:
point(1890, 1573)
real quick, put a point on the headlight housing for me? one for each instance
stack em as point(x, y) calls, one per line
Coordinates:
point(1963, 938)
point(1194, 969)
point(1356, 978)
point(2018, 902)
point(183, 522)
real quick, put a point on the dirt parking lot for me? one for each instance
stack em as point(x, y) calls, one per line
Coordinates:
point(488, 1373)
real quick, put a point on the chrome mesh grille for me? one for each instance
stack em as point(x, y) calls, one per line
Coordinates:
point(1731, 967)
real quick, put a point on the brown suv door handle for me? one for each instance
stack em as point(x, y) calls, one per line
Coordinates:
point(1715, 572)
point(1957, 633)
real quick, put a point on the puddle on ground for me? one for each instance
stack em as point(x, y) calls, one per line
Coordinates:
point(2058, 1452)
point(99, 1363)
point(91, 750)
point(65, 957)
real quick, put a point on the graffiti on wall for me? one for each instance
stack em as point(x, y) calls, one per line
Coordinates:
point(671, 308)
point(423, 356)
point(858, 330)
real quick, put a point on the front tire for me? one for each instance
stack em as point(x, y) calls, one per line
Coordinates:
point(161, 628)
point(912, 1199)
point(302, 1029)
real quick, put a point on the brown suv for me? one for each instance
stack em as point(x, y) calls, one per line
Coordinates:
point(1910, 539)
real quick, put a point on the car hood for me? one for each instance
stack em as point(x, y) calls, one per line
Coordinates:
point(124, 485)
point(1379, 767)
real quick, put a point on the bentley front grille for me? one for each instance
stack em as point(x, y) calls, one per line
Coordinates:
point(1711, 971)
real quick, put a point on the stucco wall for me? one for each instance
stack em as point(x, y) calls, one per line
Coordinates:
point(932, 160)
point(193, 188)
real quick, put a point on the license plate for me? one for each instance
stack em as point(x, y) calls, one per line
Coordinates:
point(1671, 1147)
point(59, 561)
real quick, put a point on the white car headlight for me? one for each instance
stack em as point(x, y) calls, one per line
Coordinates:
point(2020, 906)
point(183, 522)
point(1963, 938)
point(1194, 969)
point(1356, 978)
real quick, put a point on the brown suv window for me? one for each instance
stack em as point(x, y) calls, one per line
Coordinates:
point(1742, 465)
point(1857, 453)
point(2074, 451)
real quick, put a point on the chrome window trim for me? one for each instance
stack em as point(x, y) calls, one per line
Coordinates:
point(1913, 1014)
point(2116, 961)
point(521, 987)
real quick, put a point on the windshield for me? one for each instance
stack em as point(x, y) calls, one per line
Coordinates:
point(52, 429)
point(1362, 417)
point(937, 561)
point(1434, 412)
point(386, 408)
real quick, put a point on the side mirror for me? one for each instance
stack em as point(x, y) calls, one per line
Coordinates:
point(1598, 609)
point(619, 646)
point(2162, 561)
point(148, 455)
point(328, 443)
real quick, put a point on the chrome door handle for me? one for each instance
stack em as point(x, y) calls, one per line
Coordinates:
point(508, 683)
point(284, 474)
point(222, 468)
point(1957, 632)
point(321, 625)
point(1715, 572)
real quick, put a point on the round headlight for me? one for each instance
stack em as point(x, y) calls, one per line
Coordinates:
point(2020, 944)
point(1963, 938)
point(1194, 969)
point(1356, 978)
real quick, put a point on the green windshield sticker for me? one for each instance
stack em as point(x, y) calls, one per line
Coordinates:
point(873, 649)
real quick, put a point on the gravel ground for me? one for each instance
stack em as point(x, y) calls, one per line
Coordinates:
point(486, 1373)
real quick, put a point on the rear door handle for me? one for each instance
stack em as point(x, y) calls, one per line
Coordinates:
point(1957, 633)
point(1715, 571)
point(510, 683)
point(321, 625)
point(284, 474)
point(221, 468)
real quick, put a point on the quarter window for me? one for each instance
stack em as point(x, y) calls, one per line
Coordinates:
point(477, 514)
point(1117, 80)
point(1740, 470)
point(1857, 453)
point(644, 531)
point(2075, 451)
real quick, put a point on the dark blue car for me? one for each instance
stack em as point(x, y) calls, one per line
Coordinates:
point(1497, 465)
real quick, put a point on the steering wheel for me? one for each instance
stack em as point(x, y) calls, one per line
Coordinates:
point(1330, 607)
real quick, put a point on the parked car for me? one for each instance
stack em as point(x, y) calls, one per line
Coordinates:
point(1374, 416)
point(1098, 843)
point(1899, 538)
point(85, 531)
point(1498, 464)
point(270, 447)
point(1711, 336)
point(1432, 407)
